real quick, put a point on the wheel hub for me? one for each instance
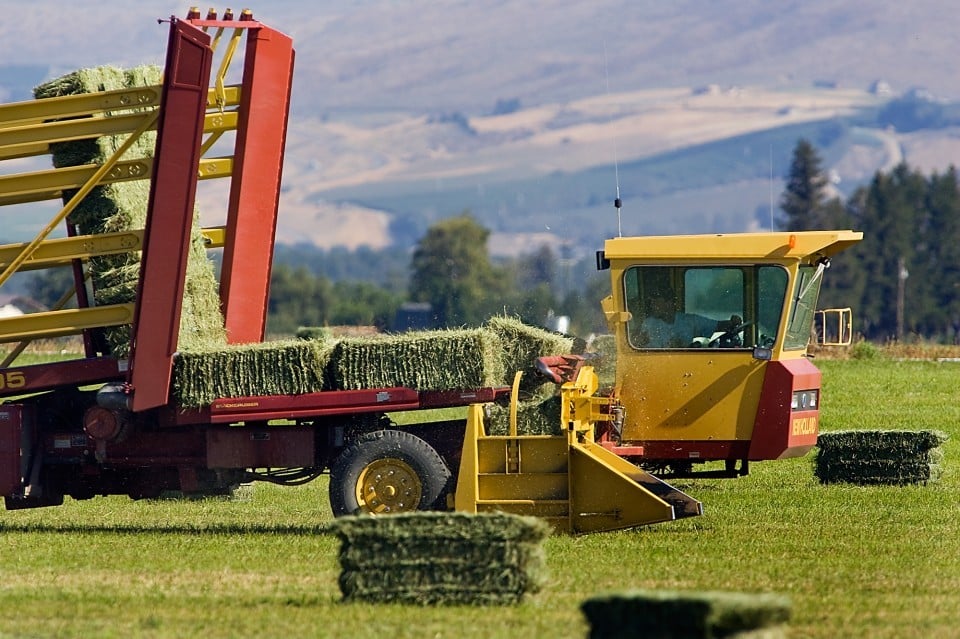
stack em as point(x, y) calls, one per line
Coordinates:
point(388, 486)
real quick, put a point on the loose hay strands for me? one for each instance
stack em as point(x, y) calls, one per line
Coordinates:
point(428, 360)
point(684, 615)
point(313, 332)
point(866, 457)
point(122, 206)
point(441, 558)
point(605, 347)
point(290, 367)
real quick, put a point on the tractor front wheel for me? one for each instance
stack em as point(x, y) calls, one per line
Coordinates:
point(386, 472)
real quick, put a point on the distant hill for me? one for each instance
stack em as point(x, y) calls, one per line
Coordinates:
point(527, 112)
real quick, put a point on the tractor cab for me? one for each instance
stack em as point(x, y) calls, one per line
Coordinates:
point(712, 334)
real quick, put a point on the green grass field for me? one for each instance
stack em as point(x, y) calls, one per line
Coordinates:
point(856, 562)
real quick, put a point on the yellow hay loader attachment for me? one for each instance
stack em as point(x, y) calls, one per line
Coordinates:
point(570, 480)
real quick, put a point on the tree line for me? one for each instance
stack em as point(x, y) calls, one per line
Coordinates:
point(902, 280)
point(452, 273)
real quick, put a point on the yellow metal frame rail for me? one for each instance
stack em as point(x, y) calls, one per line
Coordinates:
point(29, 128)
point(61, 252)
point(835, 326)
point(60, 323)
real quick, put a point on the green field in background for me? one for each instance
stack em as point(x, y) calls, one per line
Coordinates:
point(879, 562)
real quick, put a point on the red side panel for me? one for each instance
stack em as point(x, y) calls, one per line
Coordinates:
point(169, 215)
point(779, 432)
point(15, 447)
point(255, 189)
point(71, 372)
point(689, 450)
point(273, 447)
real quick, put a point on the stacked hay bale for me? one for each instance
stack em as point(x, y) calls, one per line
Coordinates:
point(289, 367)
point(122, 206)
point(441, 558)
point(522, 344)
point(867, 457)
point(533, 418)
point(538, 409)
point(425, 360)
point(686, 615)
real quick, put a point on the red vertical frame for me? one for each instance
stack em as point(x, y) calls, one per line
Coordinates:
point(166, 241)
point(255, 188)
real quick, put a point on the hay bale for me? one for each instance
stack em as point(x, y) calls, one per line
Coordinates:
point(685, 615)
point(122, 206)
point(522, 344)
point(441, 558)
point(538, 417)
point(290, 367)
point(886, 457)
point(313, 332)
point(425, 360)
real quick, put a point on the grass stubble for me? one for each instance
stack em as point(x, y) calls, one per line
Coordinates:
point(855, 561)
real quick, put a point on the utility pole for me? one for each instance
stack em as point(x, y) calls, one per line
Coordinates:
point(902, 275)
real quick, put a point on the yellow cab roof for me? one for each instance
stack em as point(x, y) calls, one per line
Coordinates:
point(732, 246)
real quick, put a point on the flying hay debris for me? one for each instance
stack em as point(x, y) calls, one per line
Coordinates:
point(429, 558)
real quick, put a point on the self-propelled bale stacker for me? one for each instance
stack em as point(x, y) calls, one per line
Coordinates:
point(105, 423)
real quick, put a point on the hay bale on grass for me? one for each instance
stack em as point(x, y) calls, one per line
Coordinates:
point(441, 558)
point(426, 360)
point(289, 367)
point(657, 614)
point(122, 206)
point(891, 457)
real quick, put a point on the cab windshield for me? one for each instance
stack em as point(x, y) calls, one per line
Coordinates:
point(805, 295)
point(683, 307)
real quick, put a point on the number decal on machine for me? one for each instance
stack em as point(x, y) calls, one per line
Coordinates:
point(12, 379)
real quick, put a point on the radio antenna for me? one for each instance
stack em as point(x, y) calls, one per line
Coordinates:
point(771, 187)
point(617, 202)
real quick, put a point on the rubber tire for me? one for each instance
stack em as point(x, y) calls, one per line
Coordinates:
point(347, 468)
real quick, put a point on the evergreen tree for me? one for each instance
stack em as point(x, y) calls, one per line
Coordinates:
point(805, 202)
point(940, 253)
point(843, 284)
point(890, 212)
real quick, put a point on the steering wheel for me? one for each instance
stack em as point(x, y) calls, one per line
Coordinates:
point(729, 338)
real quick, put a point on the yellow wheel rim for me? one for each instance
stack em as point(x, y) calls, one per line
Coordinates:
point(388, 486)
